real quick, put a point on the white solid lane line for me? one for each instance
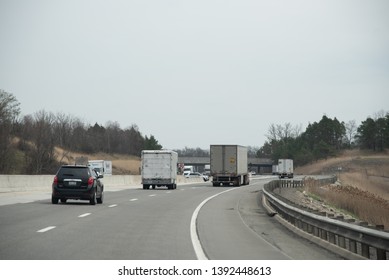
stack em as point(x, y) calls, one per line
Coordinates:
point(193, 228)
point(46, 229)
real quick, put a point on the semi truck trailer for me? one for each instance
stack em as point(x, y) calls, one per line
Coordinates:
point(229, 165)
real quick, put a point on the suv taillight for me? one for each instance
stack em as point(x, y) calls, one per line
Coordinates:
point(90, 181)
point(55, 182)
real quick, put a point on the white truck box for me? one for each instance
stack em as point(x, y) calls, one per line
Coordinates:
point(285, 168)
point(229, 165)
point(159, 168)
point(188, 169)
point(104, 167)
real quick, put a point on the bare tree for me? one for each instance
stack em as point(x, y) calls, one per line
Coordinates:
point(351, 131)
point(282, 132)
point(42, 154)
point(9, 111)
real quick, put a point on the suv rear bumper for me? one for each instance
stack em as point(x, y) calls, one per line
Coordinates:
point(82, 194)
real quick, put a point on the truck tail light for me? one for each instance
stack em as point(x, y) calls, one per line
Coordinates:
point(90, 181)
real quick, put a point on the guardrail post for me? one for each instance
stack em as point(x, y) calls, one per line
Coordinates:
point(365, 250)
point(381, 254)
point(341, 241)
point(323, 234)
point(316, 231)
point(310, 229)
point(332, 238)
point(352, 246)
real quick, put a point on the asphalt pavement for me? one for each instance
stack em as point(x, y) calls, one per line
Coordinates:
point(137, 224)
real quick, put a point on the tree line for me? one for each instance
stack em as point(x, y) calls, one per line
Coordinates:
point(325, 138)
point(28, 143)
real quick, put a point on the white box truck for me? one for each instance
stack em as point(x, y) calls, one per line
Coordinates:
point(159, 168)
point(229, 165)
point(285, 168)
point(188, 169)
point(104, 167)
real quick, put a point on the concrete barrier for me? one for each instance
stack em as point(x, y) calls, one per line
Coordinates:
point(25, 183)
point(39, 183)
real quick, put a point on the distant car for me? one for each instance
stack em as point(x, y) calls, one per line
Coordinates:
point(77, 182)
point(197, 175)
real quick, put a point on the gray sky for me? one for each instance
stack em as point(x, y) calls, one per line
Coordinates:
point(201, 72)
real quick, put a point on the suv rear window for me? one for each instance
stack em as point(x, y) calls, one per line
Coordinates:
point(73, 171)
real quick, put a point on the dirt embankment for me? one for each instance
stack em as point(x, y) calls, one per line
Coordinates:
point(366, 171)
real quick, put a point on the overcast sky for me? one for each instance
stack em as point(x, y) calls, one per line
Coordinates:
point(201, 72)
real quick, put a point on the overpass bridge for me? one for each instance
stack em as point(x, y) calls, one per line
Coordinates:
point(258, 165)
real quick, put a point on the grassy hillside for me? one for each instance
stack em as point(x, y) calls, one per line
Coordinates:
point(364, 170)
point(121, 164)
point(364, 184)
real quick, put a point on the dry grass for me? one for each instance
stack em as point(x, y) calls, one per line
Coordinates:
point(121, 164)
point(364, 205)
point(364, 188)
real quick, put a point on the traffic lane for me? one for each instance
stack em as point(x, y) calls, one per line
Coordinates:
point(272, 231)
point(131, 224)
point(23, 224)
point(236, 226)
point(20, 223)
point(224, 236)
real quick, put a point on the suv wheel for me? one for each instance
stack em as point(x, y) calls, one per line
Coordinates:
point(54, 200)
point(92, 200)
point(100, 199)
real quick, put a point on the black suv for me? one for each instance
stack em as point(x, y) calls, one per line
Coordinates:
point(77, 182)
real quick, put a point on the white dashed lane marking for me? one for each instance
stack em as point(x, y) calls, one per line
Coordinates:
point(46, 229)
point(88, 214)
point(84, 215)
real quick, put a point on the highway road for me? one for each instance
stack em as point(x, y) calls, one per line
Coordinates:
point(194, 221)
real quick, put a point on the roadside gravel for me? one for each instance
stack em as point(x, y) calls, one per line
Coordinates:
point(299, 197)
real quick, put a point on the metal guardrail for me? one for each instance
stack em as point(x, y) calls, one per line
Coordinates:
point(362, 242)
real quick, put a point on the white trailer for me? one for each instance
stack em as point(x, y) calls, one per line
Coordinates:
point(159, 168)
point(207, 169)
point(104, 167)
point(229, 165)
point(188, 169)
point(285, 168)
